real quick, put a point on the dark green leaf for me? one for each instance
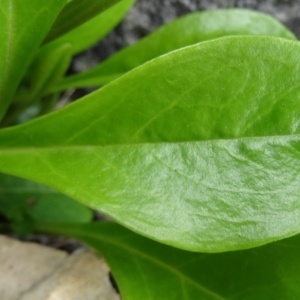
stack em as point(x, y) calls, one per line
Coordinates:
point(150, 271)
point(76, 13)
point(23, 201)
point(46, 70)
point(199, 148)
point(186, 31)
point(23, 27)
point(94, 30)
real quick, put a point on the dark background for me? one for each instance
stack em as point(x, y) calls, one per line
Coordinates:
point(147, 15)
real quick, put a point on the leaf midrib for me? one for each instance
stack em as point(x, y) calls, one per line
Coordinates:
point(17, 191)
point(58, 147)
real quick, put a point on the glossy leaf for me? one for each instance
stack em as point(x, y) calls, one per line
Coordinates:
point(93, 30)
point(76, 13)
point(23, 27)
point(199, 148)
point(150, 271)
point(24, 201)
point(182, 32)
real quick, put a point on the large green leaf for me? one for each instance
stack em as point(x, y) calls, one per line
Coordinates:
point(23, 27)
point(23, 201)
point(77, 12)
point(92, 31)
point(150, 271)
point(199, 148)
point(186, 31)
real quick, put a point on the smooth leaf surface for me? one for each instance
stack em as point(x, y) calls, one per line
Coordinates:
point(90, 32)
point(76, 13)
point(147, 270)
point(199, 148)
point(45, 71)
point(48, 68)
point(182, 32)
point(22, 200)
point(23, 27)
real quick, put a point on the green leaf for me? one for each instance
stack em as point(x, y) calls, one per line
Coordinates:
point(23, 27)
point(186, 31)
point(75, 13)
point(45, 71)
point(89, 33)
point(24, 201)
point(199, 148)
point(150, 271)
point(48, 68)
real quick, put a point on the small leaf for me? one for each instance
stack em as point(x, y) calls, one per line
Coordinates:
point(45, 71)
point(90, 32)
point(22, 200)
point(199, 148)
point(150, 271)
point(48, 68)
point(185, 31)
point(76, 13)
point(23, 27)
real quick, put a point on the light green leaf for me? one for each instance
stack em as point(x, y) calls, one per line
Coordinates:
point(186, 31)
point(94, 30)
point(75, 13)
point(24, 201)
point(199, 148)
point(23, 27)
point(150, 271)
